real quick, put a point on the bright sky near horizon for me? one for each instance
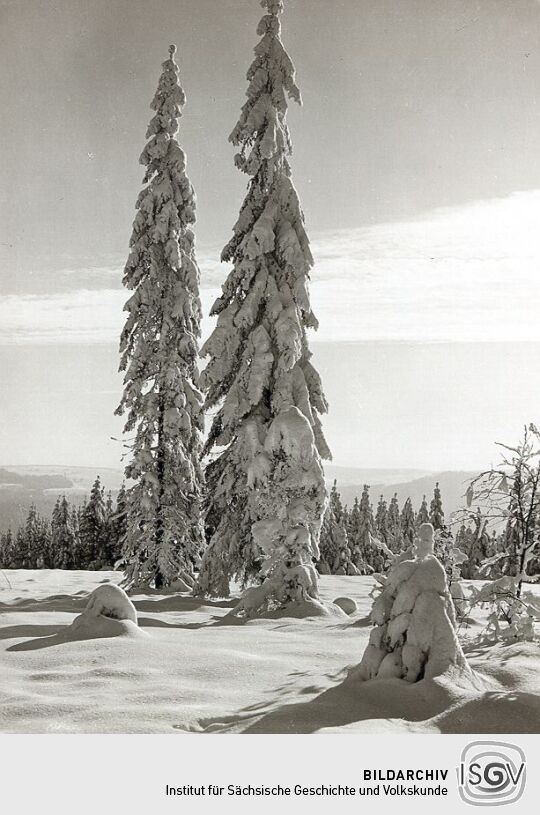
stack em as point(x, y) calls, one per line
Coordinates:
point(418, 166)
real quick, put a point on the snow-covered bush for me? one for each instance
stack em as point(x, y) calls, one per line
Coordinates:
point(511, 494)
point(511, 617)
point(266, 491)
point(414, 622)
point(159, 350)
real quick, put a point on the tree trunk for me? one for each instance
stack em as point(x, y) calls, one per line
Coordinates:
point(160, 469)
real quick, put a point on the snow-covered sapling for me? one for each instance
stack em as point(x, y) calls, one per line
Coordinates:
point(414, 621)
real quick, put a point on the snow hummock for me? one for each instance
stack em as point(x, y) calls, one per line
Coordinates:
point(414, 635)
point(346, 604)
point(108, 613)
point(111, 601)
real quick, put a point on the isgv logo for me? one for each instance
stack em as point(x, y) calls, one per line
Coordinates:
point(491, 773)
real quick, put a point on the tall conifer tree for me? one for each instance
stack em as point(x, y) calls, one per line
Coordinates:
point(381, 519)
point(334, 544)
point(265, 484)
point(422, 516)
point(63, 535)
point(159, 348)
point(366, 555)
point(408, 527)
point(92, 526)
point(393, 526)
point(436, 513)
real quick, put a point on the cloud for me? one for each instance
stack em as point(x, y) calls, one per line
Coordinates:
point(463, 274)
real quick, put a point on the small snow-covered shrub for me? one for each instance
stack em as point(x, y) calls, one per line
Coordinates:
point(414, 621)
point(511, 616)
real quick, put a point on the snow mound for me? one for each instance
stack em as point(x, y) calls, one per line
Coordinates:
point(346, 604)
point(90, 626)
point(303, 607)
point(414, 635)
point(108, 613)
point(111, 601)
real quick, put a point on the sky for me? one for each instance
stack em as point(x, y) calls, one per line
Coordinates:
point(417, 162)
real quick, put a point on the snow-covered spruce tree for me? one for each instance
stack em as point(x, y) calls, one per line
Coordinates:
point(118, 526)
point(79, 555)
point(92, 527)
point(334, 544)
point(266, 486)
point(20, 548)
point(422, 516)
point(331, 536)
point(381, 520)
point(408, 526)
point(329, 543)
point(367, 551)
point(63, 536)
point(32, 539)
point(7, 550)
point(354, 530)
point(159, 350)
point(436, 514)
point(393, 526)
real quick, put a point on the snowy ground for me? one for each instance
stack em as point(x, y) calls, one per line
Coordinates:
point(187, 671)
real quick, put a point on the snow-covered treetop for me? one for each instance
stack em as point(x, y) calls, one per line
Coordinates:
point(261, 125)
point(167, 205)
point(263, 137)
point(161, 263)
point(265, 308)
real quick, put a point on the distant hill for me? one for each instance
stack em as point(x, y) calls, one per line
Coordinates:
point(452, 483)
point(79, 478)
point(352, 476)
point(22, 485)
point(11, 479)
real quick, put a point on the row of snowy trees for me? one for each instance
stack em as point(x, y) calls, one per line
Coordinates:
point(360, 540)
point(264, 496)
point(75, 537)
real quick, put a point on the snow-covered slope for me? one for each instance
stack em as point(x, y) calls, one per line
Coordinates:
point(193, 673)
